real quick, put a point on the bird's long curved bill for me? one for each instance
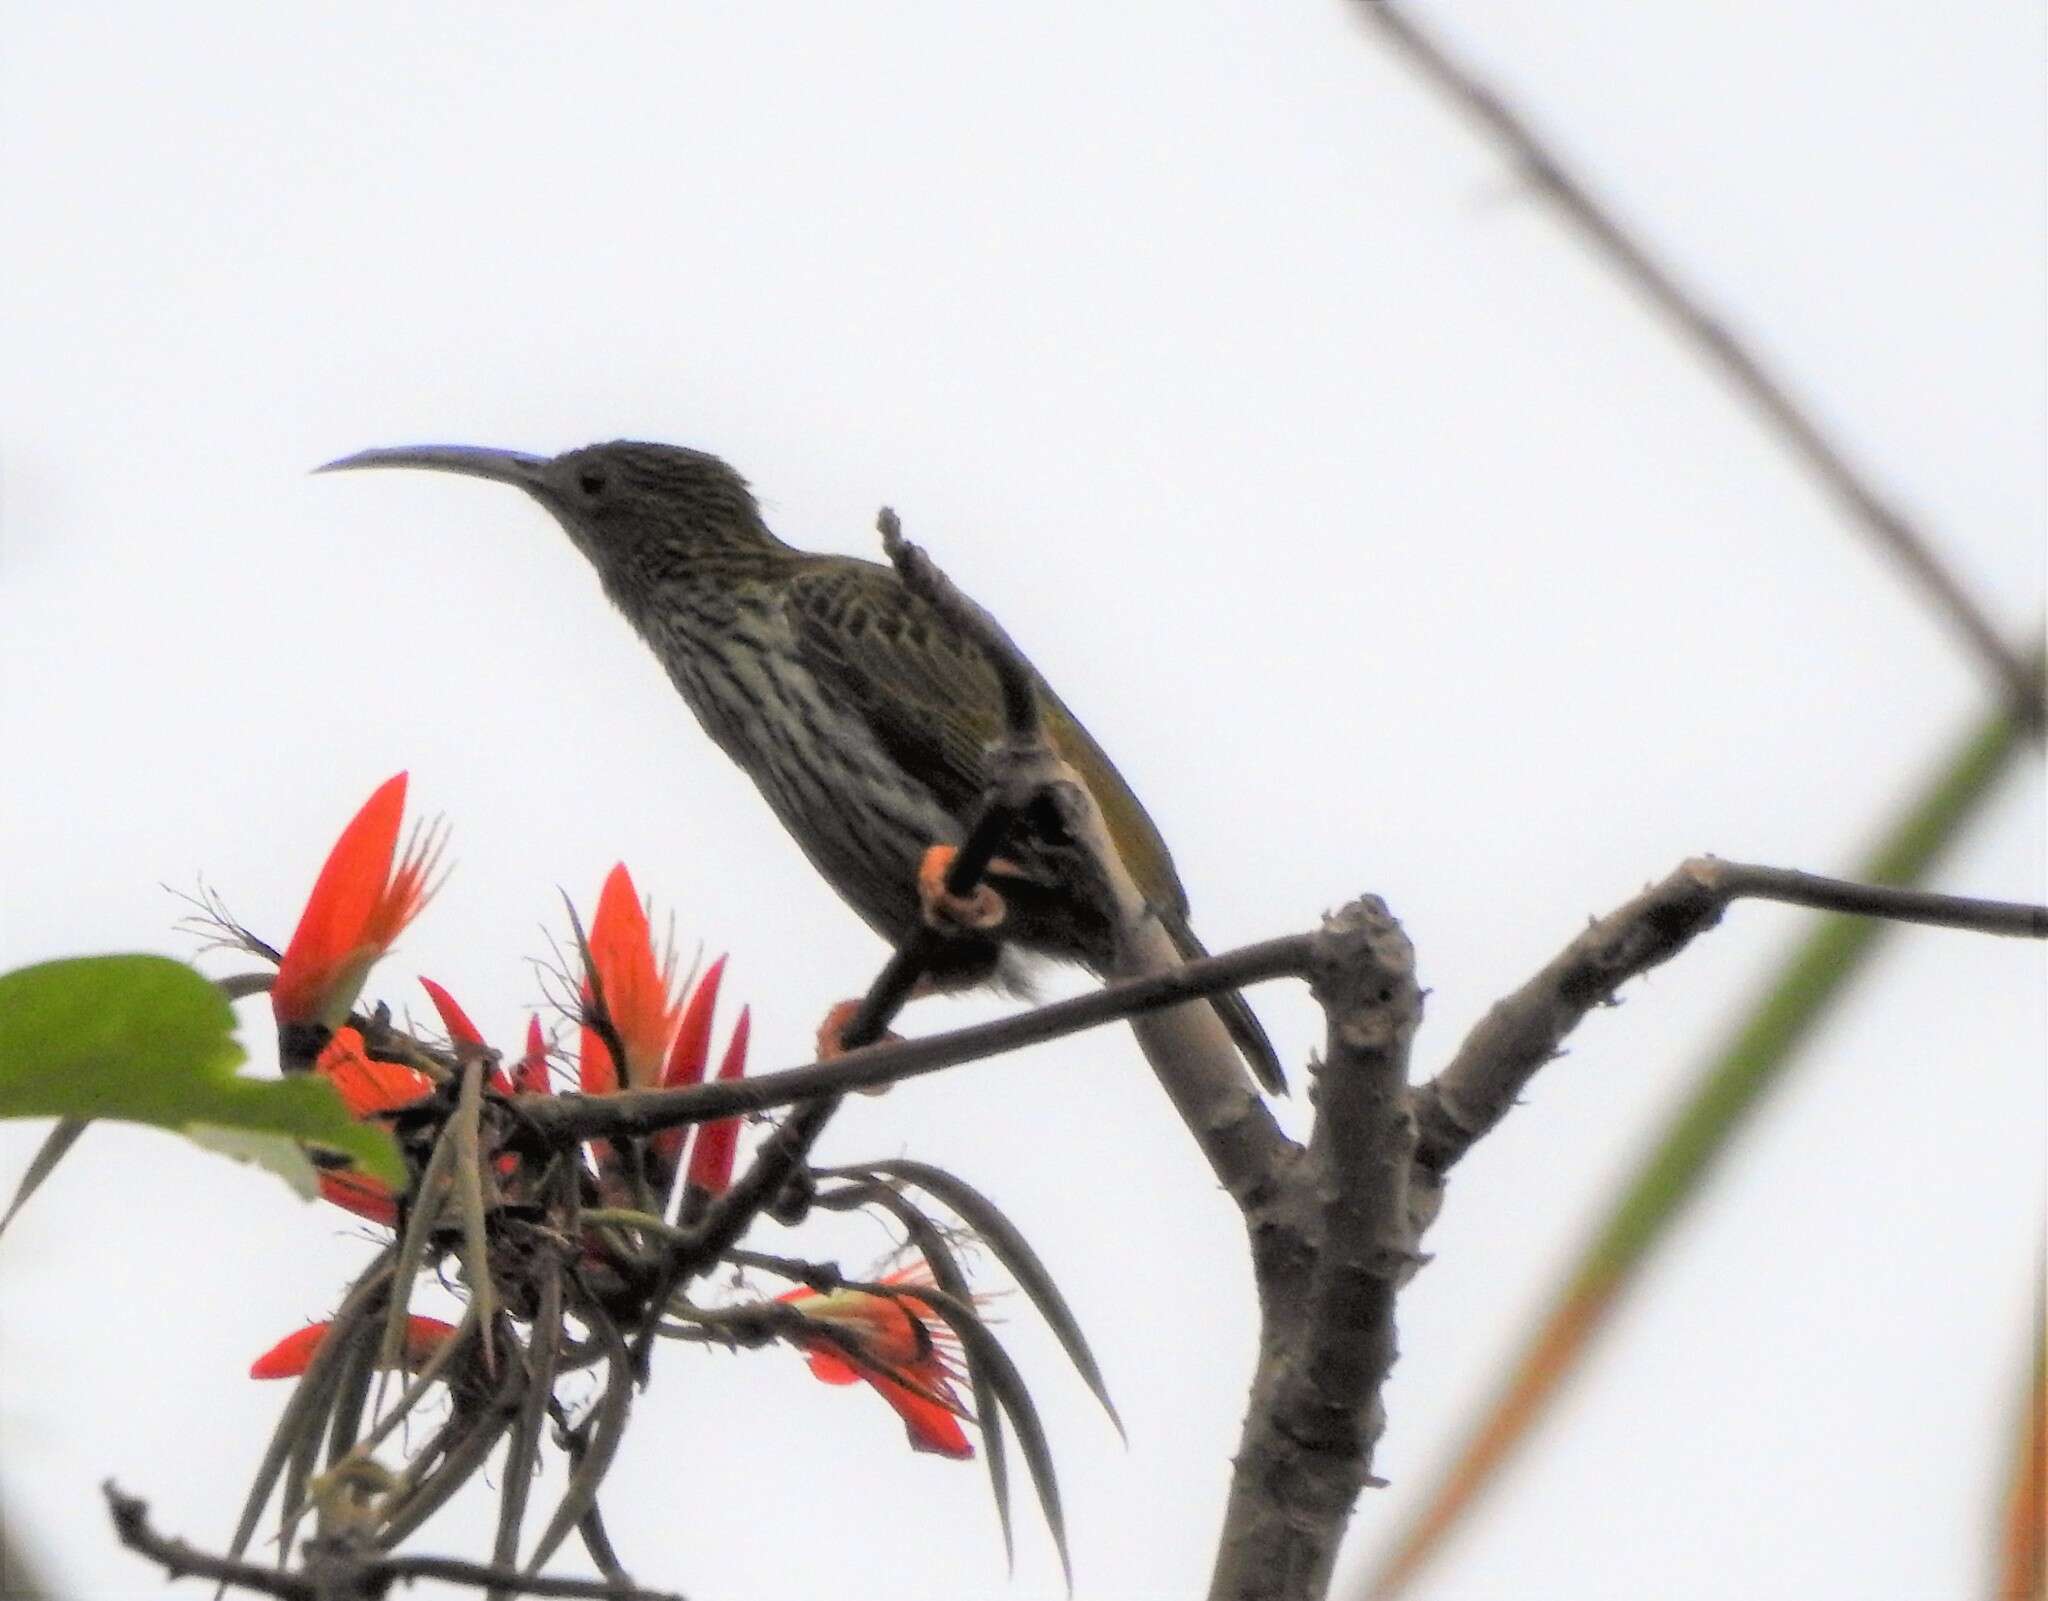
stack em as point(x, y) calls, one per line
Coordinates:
point(472, 461)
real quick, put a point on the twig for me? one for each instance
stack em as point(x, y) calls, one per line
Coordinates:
point(179, 1560)
point(559, 1121)
point(371, 1573)
point(1880, 520)
point(608, 1428)
point(470, 1204)
point(484, 1576)
point(590, 1528)
point(1738, 880)
point(1524, 1031)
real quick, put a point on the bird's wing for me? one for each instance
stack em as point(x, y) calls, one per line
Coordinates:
point(933, 703)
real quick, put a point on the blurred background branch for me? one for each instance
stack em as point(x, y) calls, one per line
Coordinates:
point(1715, 341)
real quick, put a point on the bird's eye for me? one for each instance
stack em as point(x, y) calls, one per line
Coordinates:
point(590, 481)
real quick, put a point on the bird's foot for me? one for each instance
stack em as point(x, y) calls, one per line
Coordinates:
point(831, 1037)
point(958, 914)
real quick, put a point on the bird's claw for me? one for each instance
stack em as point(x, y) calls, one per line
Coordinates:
point(950, 913)
point(832, 1042)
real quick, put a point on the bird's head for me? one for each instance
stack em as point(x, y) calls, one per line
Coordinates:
point(639, 512)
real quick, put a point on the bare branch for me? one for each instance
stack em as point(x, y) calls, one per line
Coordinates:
point(1736, 880)
point(1882, 522)
point(1522, 1032)
point(484, 1576)
point(368, 1573)
point(179, 1560)
point(561, 1120)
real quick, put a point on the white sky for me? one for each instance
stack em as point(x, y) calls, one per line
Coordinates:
point(1386, 543)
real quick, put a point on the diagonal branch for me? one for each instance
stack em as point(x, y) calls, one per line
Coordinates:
point(1523, 1031)
point(1881, 521)
point(345, 1573)
point(560, 1121)
point(179, 1560)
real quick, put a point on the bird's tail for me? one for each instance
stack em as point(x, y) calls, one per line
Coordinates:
point(1236, 1015)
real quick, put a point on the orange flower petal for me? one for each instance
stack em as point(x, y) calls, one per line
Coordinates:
point(889, 1346)
point(711, 1157)
point(899, 1346)
point(408, 889)
point(930, 1424)
point(636, 990)
point(332, 927)
point(293, 1354)
point(370, 1199)
point(368, 1086)
point(829, 1367)
point(692, 1047)
point(461, 1031)
point(453, 1018)
point(686, 1057)
point(530, 1077)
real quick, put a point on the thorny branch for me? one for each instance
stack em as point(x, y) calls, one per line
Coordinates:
point(342, 1572)
point(1523, 1031)
point(1883, 522)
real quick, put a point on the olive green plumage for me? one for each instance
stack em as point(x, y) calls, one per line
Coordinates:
point(860, 712)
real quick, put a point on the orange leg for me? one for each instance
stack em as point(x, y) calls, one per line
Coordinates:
point(957, 914)
point(830, 1043)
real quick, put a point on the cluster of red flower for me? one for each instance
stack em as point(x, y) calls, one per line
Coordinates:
point(365, 896)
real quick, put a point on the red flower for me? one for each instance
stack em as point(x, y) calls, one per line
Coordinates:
point(453, 1018)
point(293, 1354)
point(900, 1346)
point(359, 905)
point(530, 1077)
point(686, 1057)
point(367, 1087)
point(462, 1033)
point(370, 1199)
point(711, 1157)
point(635, 991)
point(692, 1045)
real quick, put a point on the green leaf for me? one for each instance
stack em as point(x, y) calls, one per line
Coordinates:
point(149, 1040)
point(286, 1158)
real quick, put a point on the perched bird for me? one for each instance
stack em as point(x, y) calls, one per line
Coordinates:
point(859, 711)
